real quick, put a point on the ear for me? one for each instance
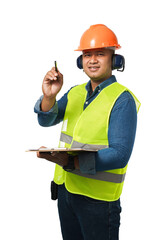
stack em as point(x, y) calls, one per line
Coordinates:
point(79, 62)
point(118, 62)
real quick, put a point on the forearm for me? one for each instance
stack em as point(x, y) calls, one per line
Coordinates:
point(115, 157)
point(46, 119)
point(54, 115)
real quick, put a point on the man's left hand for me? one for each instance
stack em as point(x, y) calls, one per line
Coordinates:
point(60, 158)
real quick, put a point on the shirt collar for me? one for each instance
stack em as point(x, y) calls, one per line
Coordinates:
point(102, 85)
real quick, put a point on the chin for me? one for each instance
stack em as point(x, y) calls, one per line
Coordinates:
point(94, 77)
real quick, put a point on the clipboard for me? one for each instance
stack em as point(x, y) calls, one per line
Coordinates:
point(61, 150)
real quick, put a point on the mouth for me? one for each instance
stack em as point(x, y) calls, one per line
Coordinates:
point(93, 68)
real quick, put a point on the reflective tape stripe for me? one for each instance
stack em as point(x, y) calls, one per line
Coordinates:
point(103, 176)
point(66, 138)
point(87, 146)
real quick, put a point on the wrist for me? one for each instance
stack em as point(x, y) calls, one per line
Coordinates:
point(49, 100)
point(47, 103)
point(72, 163)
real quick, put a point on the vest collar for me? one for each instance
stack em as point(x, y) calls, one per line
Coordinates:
point(101, 86)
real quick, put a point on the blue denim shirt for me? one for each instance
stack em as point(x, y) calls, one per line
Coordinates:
point(121, 131)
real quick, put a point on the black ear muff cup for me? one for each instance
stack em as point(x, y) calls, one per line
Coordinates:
point(79, 62)
point(118, 62)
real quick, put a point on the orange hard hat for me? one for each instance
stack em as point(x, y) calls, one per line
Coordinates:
point(98, 36)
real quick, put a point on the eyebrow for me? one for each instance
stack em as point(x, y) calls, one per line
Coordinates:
point(94, 51)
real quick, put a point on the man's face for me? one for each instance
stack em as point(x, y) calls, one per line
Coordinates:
point(97, 64)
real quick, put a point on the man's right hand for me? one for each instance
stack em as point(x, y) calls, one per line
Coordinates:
point(51, 85)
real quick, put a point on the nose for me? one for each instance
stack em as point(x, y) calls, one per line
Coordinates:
point(93, 59)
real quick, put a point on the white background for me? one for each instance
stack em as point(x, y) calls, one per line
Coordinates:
point(33, 35)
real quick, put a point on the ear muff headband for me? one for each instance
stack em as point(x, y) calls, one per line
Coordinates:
point(118, 62)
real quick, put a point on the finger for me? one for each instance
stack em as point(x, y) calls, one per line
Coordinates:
point(39, 153)
point(54, 154)
point(56, 72)
point(53, 69)
point(62, 155)
point(59, 156)
point(50, 76)
point(60, 74)
point(51, 158)
point(46, 156)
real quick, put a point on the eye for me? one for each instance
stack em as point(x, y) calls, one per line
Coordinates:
point(100, 54)
point(87, 54)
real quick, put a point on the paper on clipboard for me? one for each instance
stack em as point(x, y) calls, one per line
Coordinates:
point(60, 150)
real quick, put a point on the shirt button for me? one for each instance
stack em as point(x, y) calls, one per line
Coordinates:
point(86, 102)
point(99, 90)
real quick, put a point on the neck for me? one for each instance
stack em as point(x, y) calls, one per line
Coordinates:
point(95, 83)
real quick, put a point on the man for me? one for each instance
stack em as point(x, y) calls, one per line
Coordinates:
point(99, 116)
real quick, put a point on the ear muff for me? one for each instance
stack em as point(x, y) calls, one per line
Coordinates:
point(118, 62)
point(79, 62)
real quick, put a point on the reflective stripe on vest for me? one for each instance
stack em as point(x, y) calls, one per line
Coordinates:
point(87, 146)
point(103, 176)
point(68, 139)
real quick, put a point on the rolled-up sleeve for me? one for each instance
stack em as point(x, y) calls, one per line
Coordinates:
point(55, 115)
point(87, 162)
point(46, 119)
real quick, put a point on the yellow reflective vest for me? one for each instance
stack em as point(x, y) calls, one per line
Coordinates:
point(88, 129)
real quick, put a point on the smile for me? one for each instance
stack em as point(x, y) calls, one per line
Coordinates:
point(93, 68)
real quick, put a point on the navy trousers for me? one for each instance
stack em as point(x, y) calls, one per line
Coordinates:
point(84, 218)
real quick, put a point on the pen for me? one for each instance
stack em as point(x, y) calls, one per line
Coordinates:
point(55, 63)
